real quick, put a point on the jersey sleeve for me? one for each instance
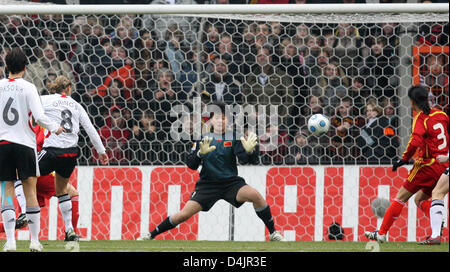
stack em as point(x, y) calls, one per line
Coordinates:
point(243, 156)
point(192, 160)
point(37, 110)
point(416, 138)
point(94, 137)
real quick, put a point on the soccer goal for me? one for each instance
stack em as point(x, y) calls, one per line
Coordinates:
point(146, 72)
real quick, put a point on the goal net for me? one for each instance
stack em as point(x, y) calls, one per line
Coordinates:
point(146, 78)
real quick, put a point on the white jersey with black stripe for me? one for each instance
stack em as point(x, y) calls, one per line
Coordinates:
point(70, 115)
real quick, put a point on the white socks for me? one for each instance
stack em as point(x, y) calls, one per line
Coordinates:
point(34, 222)
point(9, 223)
point(18, 188)
point(65, 206)
point(437, 213)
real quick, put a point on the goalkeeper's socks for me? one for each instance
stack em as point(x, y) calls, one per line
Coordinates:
point(437, 213)
point(65, 206)
point(425, 205)
point(9, 222)
point(165, 225)
point(34, 222)
point(18, 189)
point(266, 216)
point(392, 213)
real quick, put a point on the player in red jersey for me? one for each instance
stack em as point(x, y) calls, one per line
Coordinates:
point(430, 136)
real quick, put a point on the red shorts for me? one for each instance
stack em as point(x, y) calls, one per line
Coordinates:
point(424, 176)
point(45, 188)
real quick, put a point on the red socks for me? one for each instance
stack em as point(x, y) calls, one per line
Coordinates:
point(75, 214)
point(392, 213)
point(425, 206)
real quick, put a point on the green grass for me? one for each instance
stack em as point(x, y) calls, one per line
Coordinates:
point(224, 246)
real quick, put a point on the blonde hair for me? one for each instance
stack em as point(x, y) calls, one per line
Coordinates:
point(59, 84)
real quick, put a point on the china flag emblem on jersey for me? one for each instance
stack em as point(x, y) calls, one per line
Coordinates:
point(227, 143)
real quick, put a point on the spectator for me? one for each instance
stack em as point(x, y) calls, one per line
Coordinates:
point(269, 85)
point(160, 23)
point(433, 34)
point(347, 45)
point(166, 93)
point(3, 52)
point(436, 78)
point(227, 49)
point(273, 144)
point(376, 139)
point(220, 85)
point(174, 51)
point(212, 39)
point(115, 136)
point(342, 129)
point(332, 84)
point(125, 32)
point(46, 64)
point(125, 73)
point(247, 47)
point(359, 92)
point(144, 135)
point(301, 37)
point(318, 64)
point(304, 150)
point(379, 68)
point(389, 107)
point(293, 63)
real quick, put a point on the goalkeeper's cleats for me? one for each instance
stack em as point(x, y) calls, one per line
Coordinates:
point(21, 221)
point(431, 241)
point(35, 246)
point(71, 236)
point(276, 236)
point(9, 247)
point(374, 235)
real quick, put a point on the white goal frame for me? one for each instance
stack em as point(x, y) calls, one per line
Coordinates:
point(226, 9)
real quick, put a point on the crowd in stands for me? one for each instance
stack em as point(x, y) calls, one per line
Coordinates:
point(129, 71)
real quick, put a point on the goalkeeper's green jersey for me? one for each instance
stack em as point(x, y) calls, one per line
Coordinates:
point(221, 163)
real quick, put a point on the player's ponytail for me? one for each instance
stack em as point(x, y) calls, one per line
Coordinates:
point(59, 85)
point(419, 95)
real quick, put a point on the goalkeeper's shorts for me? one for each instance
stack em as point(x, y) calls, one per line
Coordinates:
point(207, 193)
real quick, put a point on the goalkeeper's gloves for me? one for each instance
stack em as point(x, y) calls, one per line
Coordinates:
point(204, 147)
point(250, 143)
point(397, 164)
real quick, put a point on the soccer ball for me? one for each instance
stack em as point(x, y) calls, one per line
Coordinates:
point(318, 124)
point(379, 207)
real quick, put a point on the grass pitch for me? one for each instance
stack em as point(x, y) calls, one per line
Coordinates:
point(226, 246)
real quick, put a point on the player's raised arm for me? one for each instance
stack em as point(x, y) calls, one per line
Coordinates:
point(93, 135)
point(246, 150)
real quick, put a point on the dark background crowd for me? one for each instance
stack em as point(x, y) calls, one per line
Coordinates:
point(129, 71)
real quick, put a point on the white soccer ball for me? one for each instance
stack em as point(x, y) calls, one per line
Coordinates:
point(318, 124)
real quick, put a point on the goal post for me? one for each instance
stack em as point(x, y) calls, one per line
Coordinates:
point(146, 72)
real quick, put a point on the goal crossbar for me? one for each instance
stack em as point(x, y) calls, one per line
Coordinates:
point(226, 9)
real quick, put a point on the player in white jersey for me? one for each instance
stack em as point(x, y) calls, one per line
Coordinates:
point(19, 100)
point(60, 152)
point(437, 210)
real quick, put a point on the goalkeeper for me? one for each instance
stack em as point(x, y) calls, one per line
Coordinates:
point(219, 177)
